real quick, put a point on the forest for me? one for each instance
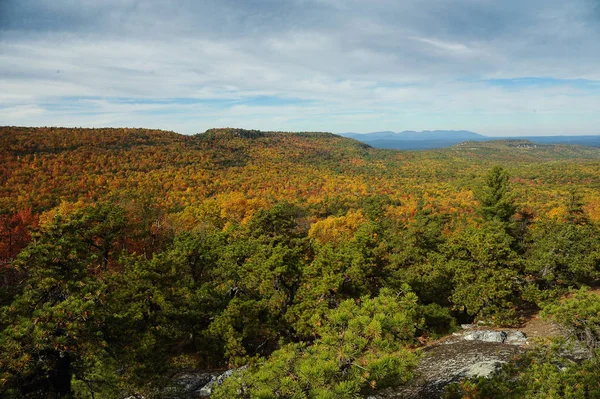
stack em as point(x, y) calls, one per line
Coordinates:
point(314, 265)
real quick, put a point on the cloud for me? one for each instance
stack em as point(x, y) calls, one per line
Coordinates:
point(332, 65)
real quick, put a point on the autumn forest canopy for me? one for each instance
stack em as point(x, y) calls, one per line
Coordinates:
point(315, 265)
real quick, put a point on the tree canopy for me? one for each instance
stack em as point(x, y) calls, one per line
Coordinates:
point(318, 265)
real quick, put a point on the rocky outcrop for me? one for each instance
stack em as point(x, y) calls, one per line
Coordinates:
point(504, 337)
point(215, 381)
point(470, 353)
point(193, 383)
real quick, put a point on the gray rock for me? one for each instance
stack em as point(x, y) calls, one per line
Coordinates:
point(509, 337)
point(483, 369)
point(215, 381)
point(449, 362)
point(485, 336)
point(516, 337)
point(190, 382)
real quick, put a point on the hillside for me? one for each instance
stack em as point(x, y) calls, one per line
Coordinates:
point(42, 167)
point(138, 262)
point(525, 150)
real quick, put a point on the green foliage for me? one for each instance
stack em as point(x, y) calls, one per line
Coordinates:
point(337, 272)
point(575, 212)
point(432, 279)
point(53, 330)
point(579, 315)
point(496, 199)
point(152, 308)
point(487, 282)
point(414, 257)
point(258, 275)
point(422, 237)
point(359, 350)
point(375, 207)
point(279, 222)
point(563, 254)
point(438, 321)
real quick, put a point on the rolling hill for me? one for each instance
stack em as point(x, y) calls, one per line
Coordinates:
point(43, 166)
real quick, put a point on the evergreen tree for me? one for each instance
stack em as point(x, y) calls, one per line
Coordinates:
point(486, 273)
point(52, 331)
point(496, 200)
point(360, 350)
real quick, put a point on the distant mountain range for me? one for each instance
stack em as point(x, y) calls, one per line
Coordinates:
point(411, 140)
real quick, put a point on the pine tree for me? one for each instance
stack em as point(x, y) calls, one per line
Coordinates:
point(496, 200)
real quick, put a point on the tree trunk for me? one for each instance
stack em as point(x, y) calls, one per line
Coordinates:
point(60, 377)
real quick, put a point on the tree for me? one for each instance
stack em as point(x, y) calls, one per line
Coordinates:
point(359, 351)
point(156, 313)
point(258, 273)
point(496, 201)
point(338, 270)
point(414, 257)
point(14, 236)
point(52, 331)
point(486, 278)
point(563, 254)
point(278, 223)
point(575, 212)
point(579, 316)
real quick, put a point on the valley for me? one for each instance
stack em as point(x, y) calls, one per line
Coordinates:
point(313, 264)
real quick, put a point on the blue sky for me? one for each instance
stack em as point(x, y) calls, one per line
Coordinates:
point(495, 67)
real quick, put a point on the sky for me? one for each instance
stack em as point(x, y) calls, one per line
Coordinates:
point(500, 68)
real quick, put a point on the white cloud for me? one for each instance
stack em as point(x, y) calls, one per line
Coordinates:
point(450, 47)
point(324, 65)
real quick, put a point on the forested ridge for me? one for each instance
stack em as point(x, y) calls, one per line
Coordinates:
point(129, 256)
